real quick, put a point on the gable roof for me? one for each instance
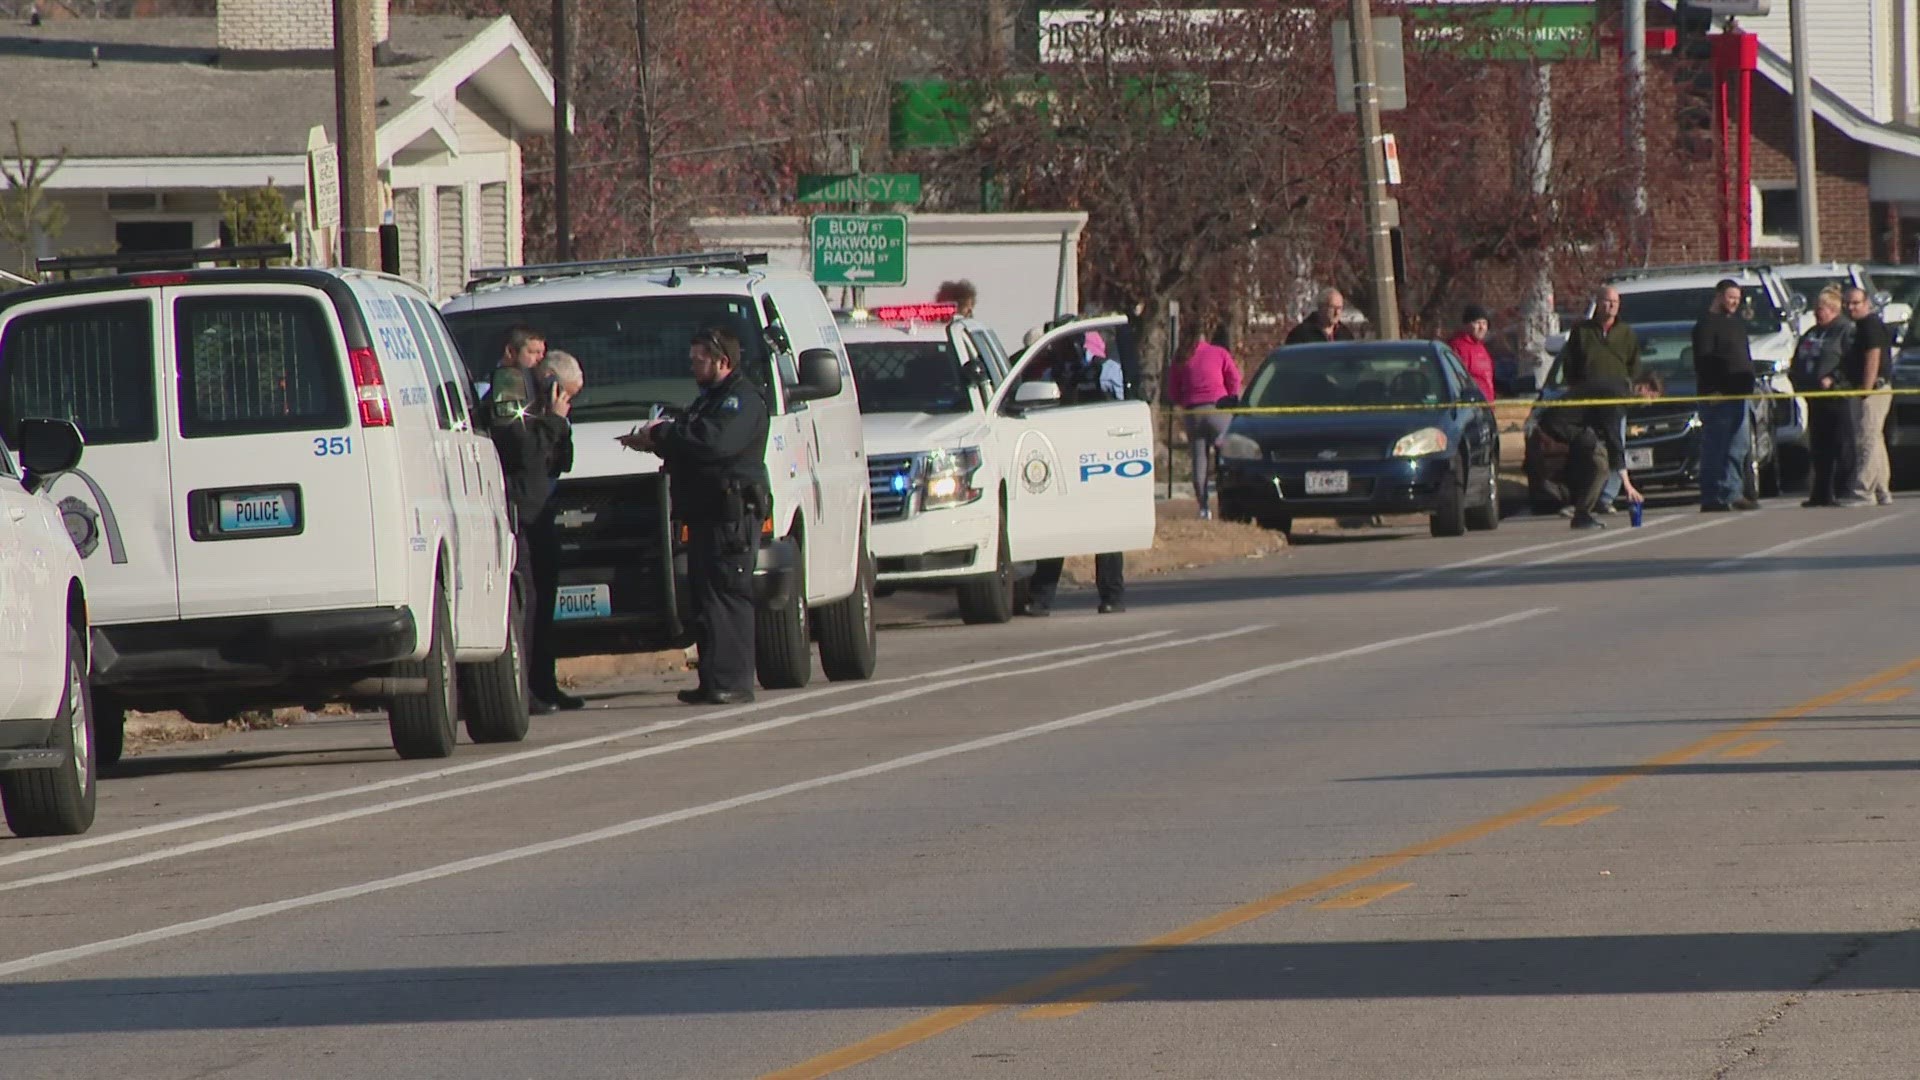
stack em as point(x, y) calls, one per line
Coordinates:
point(159, 90)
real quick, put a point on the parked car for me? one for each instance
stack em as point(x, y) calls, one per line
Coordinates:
point(47, 761)
point(1903, 420)
point(285, 501)
point(1663, 440)
point(1901, 286)
point(1438, 454)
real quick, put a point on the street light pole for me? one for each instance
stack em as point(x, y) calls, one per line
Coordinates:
point(562, 218)
point(353, 115)
point(1366, 78)
point(1804, 176)
point(1636, 35)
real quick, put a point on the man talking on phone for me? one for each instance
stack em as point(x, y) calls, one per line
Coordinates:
point(715, 456)
point(528, 414)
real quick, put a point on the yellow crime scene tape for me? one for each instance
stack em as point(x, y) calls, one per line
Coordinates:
point(1534, 403)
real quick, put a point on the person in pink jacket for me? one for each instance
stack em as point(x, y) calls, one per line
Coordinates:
point(1204, 378)
point(1471, 346)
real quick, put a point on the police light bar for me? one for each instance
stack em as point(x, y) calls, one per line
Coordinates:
point(906, 313)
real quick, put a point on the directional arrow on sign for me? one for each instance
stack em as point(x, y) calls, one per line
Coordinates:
point(857, 273)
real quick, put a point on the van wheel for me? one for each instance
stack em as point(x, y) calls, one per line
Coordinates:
point(849, 641)
point(109, 731)
point(423, 724)
point(991, 598)
point(493, 695)
point(59, 801)
point(782, 651)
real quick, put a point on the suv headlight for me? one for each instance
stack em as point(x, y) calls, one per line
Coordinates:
point(1238, 447)
point(947, 479)
point(1428, 440)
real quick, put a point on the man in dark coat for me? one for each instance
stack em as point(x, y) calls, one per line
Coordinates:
point(1723, 367)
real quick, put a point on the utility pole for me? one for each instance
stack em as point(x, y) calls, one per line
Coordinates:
point(1636, 35)
point(353, 114)
point(1804, 175)
point(1366, 89)
point(562, 218)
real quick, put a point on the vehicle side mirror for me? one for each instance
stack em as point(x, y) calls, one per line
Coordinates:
point(818, 374)
point(1881, 300)
point(1526, 384)
point(1035, 394)
point(48, 448)
point(977, 373)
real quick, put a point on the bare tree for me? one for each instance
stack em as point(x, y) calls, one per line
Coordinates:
point(27, 213)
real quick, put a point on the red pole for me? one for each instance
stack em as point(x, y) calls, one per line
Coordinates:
point(1736, 52)
point(1743, 192)
point(1721, 134)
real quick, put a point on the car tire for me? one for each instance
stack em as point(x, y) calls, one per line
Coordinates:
point(1486, 516)
point(494, 694)
point(423, 725)
point(1280, 523)
point(990, 599)
point(849, 640)
point(59, 801)
point(109, 731)
point(1450, 517)
point(782, 651)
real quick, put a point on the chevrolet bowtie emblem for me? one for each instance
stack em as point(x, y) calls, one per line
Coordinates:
point(573, 519)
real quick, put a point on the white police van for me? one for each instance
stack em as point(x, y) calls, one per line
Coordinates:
point(975, 467)
point(284, 500)
point(622, 565)
point(46, 719)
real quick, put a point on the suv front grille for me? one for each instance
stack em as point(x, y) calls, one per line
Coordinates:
point(891, 480)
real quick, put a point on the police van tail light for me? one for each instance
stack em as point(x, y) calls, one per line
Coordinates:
point(370, 388)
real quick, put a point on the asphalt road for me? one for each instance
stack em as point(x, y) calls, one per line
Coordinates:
point(1520, 805)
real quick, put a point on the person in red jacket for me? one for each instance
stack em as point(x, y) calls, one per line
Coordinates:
point(1471, 345)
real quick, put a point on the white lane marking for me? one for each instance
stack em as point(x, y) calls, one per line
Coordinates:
point(1598, 548)
point(784, 700)
point(722, 735)
point(1781, 549)
point(253, 912)
point(1415, 575)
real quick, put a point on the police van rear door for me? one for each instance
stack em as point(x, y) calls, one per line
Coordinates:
point(1080, 476)
point(269, 460)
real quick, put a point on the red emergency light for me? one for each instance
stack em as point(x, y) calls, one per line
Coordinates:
point(901, 313)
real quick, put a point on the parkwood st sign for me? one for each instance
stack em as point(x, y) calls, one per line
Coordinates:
point(859, 249)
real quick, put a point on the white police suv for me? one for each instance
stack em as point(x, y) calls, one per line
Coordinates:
point(976, 469)
point(622, 564)
point(284, 499)
point(47, 763)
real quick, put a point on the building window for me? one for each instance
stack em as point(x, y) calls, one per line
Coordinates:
point(1776, 215)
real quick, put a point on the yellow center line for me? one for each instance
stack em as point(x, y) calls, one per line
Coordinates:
point(1759, 746)
point(1363, 896)
point(1577, 817)
point(1080, 1002)
point(1884, 697)
point(945, 1020)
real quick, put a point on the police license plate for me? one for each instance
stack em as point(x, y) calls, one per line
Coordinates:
point(583, 602)
point(1640, 458)
point(1327, 482)
point(266, 510)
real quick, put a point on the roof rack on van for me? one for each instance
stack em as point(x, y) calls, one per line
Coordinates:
point(1687, 268)
point(162, 260)
point(701, 260)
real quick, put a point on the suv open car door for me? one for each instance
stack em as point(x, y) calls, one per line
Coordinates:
point(1080, 475)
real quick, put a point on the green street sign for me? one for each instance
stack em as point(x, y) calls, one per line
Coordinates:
point(859, 249)
point(865, 188)
point(1539, 31)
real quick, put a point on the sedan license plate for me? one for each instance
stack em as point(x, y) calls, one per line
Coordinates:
point(583, 602)
point(1327, 482)
point(267, 510)
point(1640, 457)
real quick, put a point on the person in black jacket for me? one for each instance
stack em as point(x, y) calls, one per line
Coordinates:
point(1723, 367)
point(715, 455)
point(528, 409)
point(1595, 438)
point(1817, 366)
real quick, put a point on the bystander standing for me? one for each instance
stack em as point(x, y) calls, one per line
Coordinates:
point(1470, 344)
point(1603, 347)
point(1817, 365)
point(1324, 323)
point(1201, 382)
point(1723, 368)
point(1868, 366)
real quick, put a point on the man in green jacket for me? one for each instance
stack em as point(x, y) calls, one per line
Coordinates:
point(1602, 347)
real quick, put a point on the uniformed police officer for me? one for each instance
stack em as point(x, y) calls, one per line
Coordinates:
point(1085, 373)
point(715, 459)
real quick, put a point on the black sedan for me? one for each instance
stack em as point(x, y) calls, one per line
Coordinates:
point(1436, 453)
point(1663, 439)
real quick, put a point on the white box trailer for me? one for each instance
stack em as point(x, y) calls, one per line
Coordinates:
point(1025, 266)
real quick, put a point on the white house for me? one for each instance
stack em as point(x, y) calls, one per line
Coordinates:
point(154, 118)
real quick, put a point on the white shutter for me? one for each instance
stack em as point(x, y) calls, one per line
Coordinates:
point(452, 240)
point(406, 217)
point(493, 224)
